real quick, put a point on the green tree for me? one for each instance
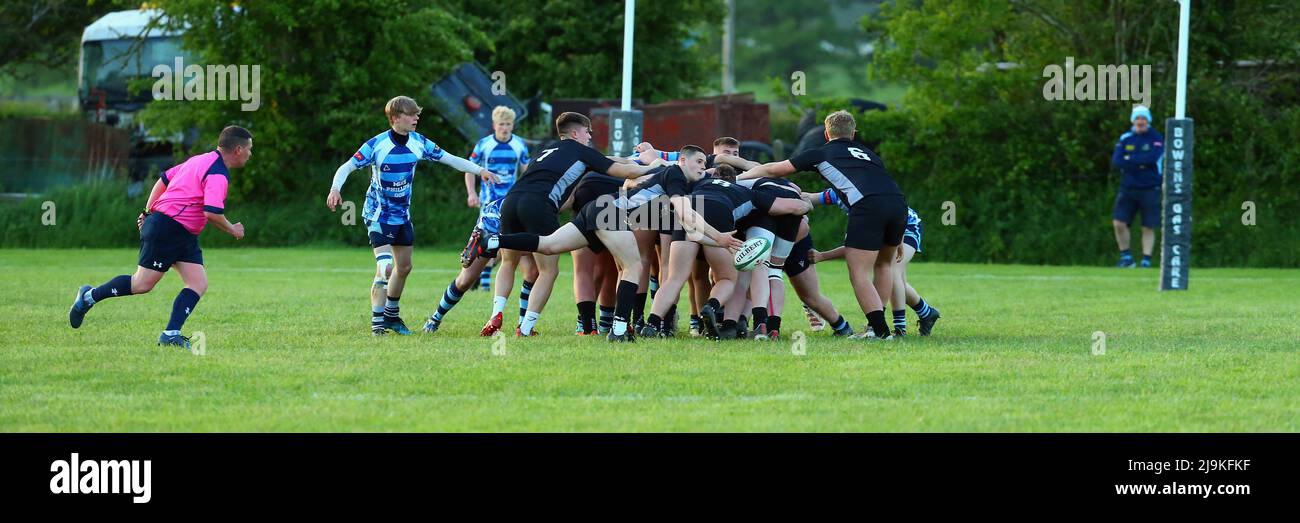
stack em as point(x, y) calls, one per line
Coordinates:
point(574, 48)
point(45, 32)
point(1031, 177)
point(327, 68)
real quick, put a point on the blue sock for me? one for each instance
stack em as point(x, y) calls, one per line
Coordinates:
point(654, 287)
point(1126, 253)
point(485, 277)
point(923, 309)
point(450, 298)
point(119, 286)
point(1146, 258)
point(900, 319)
point(524, 291)
point(392, 309)
point(185, 302)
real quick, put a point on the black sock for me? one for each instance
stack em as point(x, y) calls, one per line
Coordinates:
point(519, 242)
point(119, 286)
point(638, 307)
point(185, 302)
point(760, 316)
point(729, 324)
point(876, 319)
point(900, 319)
point(655, 321)
point(717, 305)
point(587, 315)
point(773, 323)
point(623, 304)
point(923, 309)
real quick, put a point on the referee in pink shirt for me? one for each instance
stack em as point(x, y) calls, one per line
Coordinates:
point(187, 197)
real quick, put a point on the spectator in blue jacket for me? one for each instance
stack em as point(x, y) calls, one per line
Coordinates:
point(1139, 156)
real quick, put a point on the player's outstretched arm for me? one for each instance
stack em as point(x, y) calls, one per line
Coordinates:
point(833, 254)
point(768, 170)
point(627, 170)
point(466, 166)
point(735, 161)
point(826, 197)
point(336, 187)
point(784, 206)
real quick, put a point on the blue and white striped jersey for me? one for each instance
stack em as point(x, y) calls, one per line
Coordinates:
point(392, 158)
point(502, 158)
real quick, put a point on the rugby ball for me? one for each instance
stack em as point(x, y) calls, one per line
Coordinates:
point(754, 251)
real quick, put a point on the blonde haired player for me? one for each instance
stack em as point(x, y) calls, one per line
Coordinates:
point(506, 155)
point(392, 156)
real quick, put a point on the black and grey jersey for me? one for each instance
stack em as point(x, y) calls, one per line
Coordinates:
point(555, 170)
point(742, 200)
point(854, 171)
point(666, 182)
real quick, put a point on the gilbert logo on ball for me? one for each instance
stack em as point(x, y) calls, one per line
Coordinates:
point(754, 251)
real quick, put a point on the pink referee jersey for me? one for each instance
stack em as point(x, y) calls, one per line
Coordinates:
point(197, 185)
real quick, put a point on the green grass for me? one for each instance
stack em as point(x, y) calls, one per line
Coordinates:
point(288, 350)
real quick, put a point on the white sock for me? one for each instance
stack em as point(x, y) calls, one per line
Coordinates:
point(498, 305)
point(530, 319)
point(620, 327)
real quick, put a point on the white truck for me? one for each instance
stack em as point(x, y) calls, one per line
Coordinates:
point(117, 49)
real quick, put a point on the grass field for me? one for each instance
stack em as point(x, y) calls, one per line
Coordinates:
point(288, 349)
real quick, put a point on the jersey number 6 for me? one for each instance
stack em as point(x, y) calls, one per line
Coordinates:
point(859, 154)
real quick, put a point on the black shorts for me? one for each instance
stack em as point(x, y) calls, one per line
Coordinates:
point(164, 241)
point(381, 234)
point(598, 215)
point(1129, 201)
point(876, 221)
point(528, 212)
point(602, 215)
point(715, 213)
point(785, 227)
point(798, 260)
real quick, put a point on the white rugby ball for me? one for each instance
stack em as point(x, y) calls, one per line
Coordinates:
point(754, 251)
